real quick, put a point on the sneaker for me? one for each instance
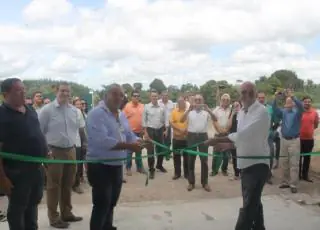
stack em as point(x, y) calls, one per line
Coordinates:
point(207, 188)
point(175, 177)
point(162, 169)
point(78, 190)
point(190, 187)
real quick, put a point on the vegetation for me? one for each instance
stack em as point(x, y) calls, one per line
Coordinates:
point(279, 80)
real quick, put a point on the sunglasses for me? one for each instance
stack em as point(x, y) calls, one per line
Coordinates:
point(135, 95)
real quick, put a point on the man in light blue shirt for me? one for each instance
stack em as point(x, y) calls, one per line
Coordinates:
point(109, 137)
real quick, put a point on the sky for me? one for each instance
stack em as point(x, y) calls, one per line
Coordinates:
point(96, 42)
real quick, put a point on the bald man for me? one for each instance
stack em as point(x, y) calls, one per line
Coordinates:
point(250, 139)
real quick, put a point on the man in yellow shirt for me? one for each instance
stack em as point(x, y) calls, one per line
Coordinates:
point(179, 139)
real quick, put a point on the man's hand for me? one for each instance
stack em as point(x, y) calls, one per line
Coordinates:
point(135, 147)
point(211, 142)
point(222, 147)
point(6, 185)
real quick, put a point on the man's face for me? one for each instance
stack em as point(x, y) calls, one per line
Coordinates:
point(115, 97)
point(307, 103)
point(225, 102)
point(63, 93)
point(165, 97)
point(289, 103)
point(154, 97)
point(17, 94)
point(261, 98)
point(181, 103)
point(83, 104)
point(37, 98)
point(78, 104)
point(135, 98)
point(198, 101)
point(246, 95)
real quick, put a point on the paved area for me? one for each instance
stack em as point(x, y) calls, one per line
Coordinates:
point(280, 214)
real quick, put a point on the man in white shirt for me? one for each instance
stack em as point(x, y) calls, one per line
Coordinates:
point(251, 139)
point(221, 126)
point(197, 117)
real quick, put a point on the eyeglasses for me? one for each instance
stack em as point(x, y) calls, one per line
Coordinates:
point(135, 95)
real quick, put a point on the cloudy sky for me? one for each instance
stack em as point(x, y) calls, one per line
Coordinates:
point(96, 42)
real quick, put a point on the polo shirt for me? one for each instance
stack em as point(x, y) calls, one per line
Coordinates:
point(20, 133)
point(175, 119)
point(308, 121)
point(198, 121)
point(134, 113)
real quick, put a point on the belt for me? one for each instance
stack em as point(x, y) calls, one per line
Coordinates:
point(290, 138)
point(193, 133)
point(60, 148)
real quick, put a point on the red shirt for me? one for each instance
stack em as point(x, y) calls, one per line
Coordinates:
point(309, 120)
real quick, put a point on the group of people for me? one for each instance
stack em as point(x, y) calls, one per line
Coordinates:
point(114, 130)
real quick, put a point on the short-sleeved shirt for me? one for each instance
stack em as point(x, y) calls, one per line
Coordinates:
point(222, 115)
point(175, 119)
point(308, 120)
point(198, 121)
point(134, 113)
point(20, 133)
point(60, 124)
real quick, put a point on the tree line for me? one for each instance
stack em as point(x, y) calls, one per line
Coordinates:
point(211, 90)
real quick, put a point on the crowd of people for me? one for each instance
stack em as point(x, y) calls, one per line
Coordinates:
point(63, 129)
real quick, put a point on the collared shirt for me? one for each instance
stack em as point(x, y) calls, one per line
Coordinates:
point(222, 115)
point(60, 124)
point(168, 107)
point(291, 118)
point(37, 108)
point(175, 119)
point(105, 131)
point(154, 116)
point(20, 133)
point(134, 113)
point(198, 121)
point(308, 121)
point(82, 124)
point(251, 138)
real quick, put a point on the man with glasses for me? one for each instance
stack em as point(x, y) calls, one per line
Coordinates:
point(133, 111)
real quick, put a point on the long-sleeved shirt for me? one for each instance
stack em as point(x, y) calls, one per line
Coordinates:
point(291, 118)
point(104, 132)
point(251, 137)
point(168, 108)
point(154, 116)
point(60, 124)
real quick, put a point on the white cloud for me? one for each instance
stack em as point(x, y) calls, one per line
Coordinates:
point(136, 41)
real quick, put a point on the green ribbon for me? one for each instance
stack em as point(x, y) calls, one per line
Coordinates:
point(166, 153)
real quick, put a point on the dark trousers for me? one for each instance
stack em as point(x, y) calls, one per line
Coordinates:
point(196, 138)
point(79, 173)
point(106, 183)
point(180, 144)
point(277, 145)
point(25, 197)
point(156, 135)
point(306, 146)
point(234, 162)
point(253, 180)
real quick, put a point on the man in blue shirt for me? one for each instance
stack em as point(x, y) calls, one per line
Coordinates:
point(290, 137)
point(109, 137)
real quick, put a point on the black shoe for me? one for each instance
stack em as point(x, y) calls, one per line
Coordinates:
point(151, 175)
point(307, 179)
point(294, 189)
point(72, 219)
point(186, 176)
point(213, 173)
point(284, 186)
point(162, 169)
point(175, 177)
point(60, 224)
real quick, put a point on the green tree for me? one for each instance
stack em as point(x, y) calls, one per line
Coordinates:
point(189, 88)
point(137, 86)
point(158, 85)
